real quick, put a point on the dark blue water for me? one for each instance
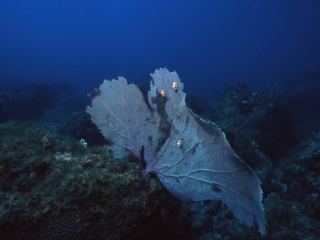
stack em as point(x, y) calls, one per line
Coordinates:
point(211, 44)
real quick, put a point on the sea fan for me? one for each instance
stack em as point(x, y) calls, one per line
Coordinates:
point(190, 156)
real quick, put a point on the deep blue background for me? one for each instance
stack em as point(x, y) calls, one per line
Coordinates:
point(211, 44)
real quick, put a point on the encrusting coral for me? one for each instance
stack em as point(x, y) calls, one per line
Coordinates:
point(68, 191)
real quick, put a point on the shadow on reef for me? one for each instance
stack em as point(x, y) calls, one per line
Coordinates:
point(257, 118)
point(40, 102)
point(79, 126)
point(303, 98)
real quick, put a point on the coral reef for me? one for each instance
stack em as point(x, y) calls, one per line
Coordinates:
point(71, 192)
point(60, 189)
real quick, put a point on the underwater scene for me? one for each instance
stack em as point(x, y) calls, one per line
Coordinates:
point(191, 120)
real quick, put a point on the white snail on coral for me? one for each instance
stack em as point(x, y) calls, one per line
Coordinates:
point(175, 86)
point(180, 143)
